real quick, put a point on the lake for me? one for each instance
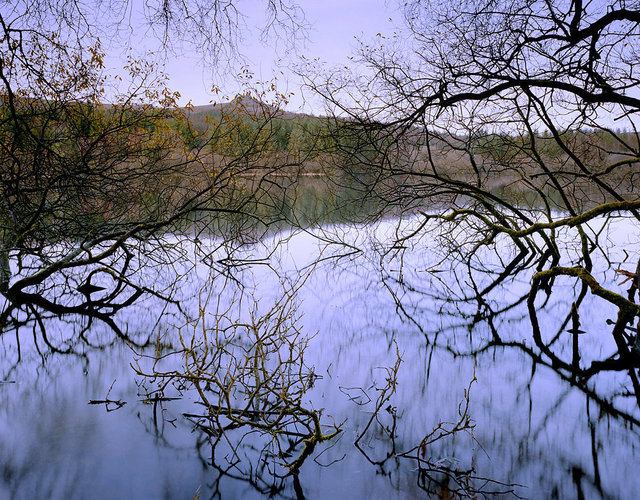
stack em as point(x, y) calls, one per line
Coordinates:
point(384, 342)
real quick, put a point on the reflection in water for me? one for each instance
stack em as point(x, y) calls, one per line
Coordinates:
point(568, 385)
point(402, 331)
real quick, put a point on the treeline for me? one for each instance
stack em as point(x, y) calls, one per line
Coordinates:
point(229, 130)
point(554, 145)
point(230, 127)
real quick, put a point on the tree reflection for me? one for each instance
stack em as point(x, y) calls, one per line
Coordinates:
point(493, 299)
point(439, 477)
point(262, 403)
point(495, 285)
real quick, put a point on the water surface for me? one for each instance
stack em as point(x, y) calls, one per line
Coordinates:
point(537, 432)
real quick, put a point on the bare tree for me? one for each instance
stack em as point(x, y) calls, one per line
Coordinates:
point(508, 122)
point(98, 174)
point(215, 30)
point(247, 373)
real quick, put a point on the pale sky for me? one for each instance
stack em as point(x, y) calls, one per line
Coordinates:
point(335, 24)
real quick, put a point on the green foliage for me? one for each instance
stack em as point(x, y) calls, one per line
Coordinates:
point(230, 130)
point(192, 138)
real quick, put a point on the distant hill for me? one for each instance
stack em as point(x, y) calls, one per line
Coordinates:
point(246, 104)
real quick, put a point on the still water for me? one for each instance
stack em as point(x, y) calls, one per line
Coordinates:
point(85, 424)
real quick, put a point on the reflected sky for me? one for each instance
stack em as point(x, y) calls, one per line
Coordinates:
point(534, 426)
